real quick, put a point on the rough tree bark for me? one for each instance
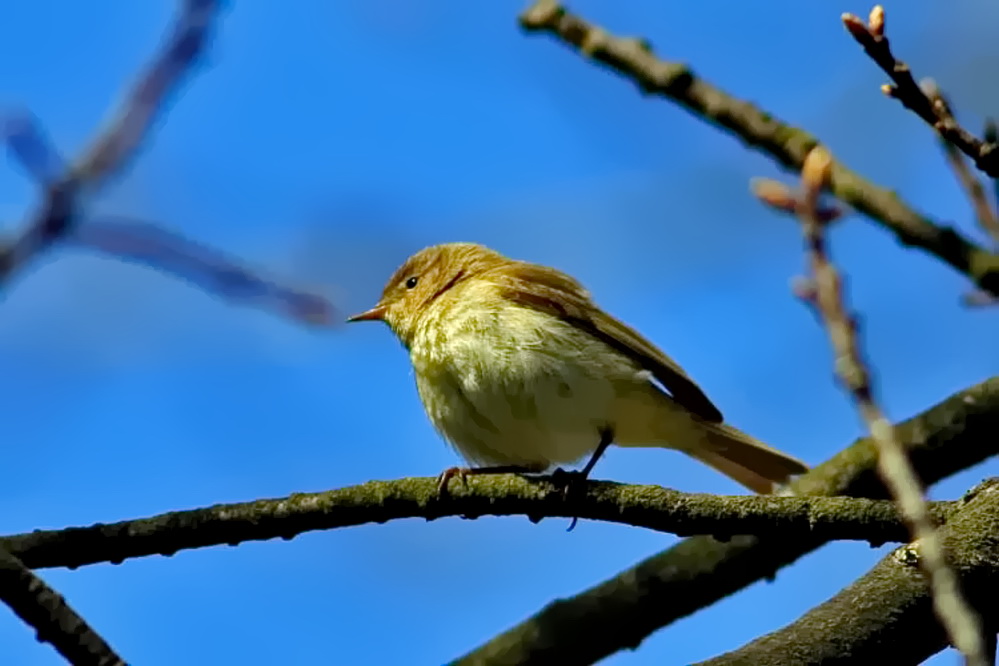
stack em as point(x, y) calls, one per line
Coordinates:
point(622, 611)
point(887, 617)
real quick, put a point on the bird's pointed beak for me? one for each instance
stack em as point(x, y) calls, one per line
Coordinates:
point(376, 313)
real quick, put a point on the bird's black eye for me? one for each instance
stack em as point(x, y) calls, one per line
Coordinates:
point(411, 282)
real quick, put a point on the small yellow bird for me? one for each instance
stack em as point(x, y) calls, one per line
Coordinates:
point(520, 370)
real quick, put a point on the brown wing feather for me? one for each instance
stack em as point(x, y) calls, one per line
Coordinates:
point(552, 291)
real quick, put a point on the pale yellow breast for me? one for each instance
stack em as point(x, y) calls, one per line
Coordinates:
point(510, 385)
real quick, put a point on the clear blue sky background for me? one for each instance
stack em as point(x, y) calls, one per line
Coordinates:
point(326, 141)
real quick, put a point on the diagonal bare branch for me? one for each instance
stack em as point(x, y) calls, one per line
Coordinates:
point(871, 36)
point(123, 138)
point(213, 271)
point(786, 145)
point(60, 219)
point(113, 149)
point(44, 609)
point(985, 212)
point(826, 295)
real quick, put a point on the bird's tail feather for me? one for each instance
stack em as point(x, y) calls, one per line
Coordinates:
point(745, 459)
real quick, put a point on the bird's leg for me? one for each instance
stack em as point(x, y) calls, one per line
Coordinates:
point(565, 478)
point(464, 472)
point(606, 437)
point(578, 479)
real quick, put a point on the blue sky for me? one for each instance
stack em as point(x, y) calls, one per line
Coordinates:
point(326, 142)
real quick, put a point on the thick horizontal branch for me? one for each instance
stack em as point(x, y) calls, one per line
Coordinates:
point(887, 616)
point(44, 610)
point(622, 611)
point(652, 507)
point(787, 145)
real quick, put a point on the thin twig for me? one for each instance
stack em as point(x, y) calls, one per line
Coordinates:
point(61, 218)
point(131, 124)
point(761, 131)
point(45, 610)
point(826, 295)
point(991, 134)
point(987, 218)
point(871, 36)
point(652, 507)
point(782, 198)
point(985, 212)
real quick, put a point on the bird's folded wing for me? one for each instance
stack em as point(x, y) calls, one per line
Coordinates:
point(558, 294)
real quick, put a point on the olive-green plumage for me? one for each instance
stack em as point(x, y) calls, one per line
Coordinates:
point(516, 365)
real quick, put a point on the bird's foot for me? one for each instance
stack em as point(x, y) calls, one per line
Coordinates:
point(445, 477)
point(464, 472)
point(572, 485)
point(566, 480)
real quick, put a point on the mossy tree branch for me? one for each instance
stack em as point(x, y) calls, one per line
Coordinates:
point(887, 616)
point(651, 507)
point(45, 611)
point(634, 60)
point(622, 611)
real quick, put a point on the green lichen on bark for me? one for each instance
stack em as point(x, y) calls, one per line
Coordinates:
point(651, 507)
point(887, 616)
point(622, 611)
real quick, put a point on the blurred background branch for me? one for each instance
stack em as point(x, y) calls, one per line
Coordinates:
point(117, 145)
point(824, 292)
point(62, 218)
point(622, 611)
point(985, 210)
